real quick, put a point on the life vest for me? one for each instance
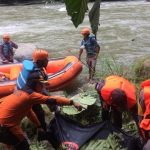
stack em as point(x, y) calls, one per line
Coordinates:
point(28, 67)
point(115, 82)
point(7, 50)
point(145, 123)
point(90, 45)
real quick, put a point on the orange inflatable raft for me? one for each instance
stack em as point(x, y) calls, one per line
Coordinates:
point(60, 72)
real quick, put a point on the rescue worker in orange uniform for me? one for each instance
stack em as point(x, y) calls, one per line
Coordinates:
point(6, 49)
point(144, 113)
point(92, 48)
point(19, 105)
point(117, 95)
point(37, 71)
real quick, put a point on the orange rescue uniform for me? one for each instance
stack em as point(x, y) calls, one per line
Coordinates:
point(115, 82)
point(18, 105)
point(145, 123)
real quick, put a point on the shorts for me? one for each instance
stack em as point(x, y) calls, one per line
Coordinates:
point(91, 61)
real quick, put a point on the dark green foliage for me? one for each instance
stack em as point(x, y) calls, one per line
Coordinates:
point(131, 128)
point(28, 127)
point(43, 145)
point(94, 16)
point(91, 115)
point(113, 142)
point(76, 9)
point(141, 69)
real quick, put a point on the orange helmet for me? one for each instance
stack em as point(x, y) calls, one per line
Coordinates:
point(85, 30)
point(6, 36)
point(40, 54)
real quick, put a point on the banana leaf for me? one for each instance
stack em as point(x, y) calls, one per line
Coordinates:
point(71, 110)
point(83, 99)
point(94, 16)
point(76, 9)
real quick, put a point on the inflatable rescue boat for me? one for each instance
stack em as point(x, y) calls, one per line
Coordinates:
point(60, 72)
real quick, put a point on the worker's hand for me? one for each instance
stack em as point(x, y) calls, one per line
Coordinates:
point(78, 106)
point(41, 135)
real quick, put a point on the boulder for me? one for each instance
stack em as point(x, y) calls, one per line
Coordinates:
point(24, 51)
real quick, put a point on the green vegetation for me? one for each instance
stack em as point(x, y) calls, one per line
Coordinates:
point(44, 145)
point(92, 113)
point(85, 99)
point(141, 69)
point(113, 142)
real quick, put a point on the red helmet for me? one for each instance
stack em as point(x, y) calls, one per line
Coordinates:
point(85, 30)
point(6, 36)
point(40, 54)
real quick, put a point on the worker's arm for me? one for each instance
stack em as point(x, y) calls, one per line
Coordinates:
point(82, 47)
point(14, 45)
point(97, 50)
point(38, 98)
point(80, 53)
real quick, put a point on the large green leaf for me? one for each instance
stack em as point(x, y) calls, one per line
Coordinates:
point(71, 110)
point(83, 99)
point(76, 9)
point(112, 142)
point(94, 16)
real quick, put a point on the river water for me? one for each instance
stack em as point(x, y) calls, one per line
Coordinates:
point(124, 31)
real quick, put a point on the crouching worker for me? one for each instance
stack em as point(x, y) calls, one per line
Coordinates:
point(144, 113)
point(18, 105)
point(117, 95)
point(35, 69)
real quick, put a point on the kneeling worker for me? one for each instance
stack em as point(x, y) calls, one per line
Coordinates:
point(18, 105)
point(117, 95)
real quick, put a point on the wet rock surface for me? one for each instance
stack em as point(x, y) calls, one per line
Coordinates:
point(24, 51)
